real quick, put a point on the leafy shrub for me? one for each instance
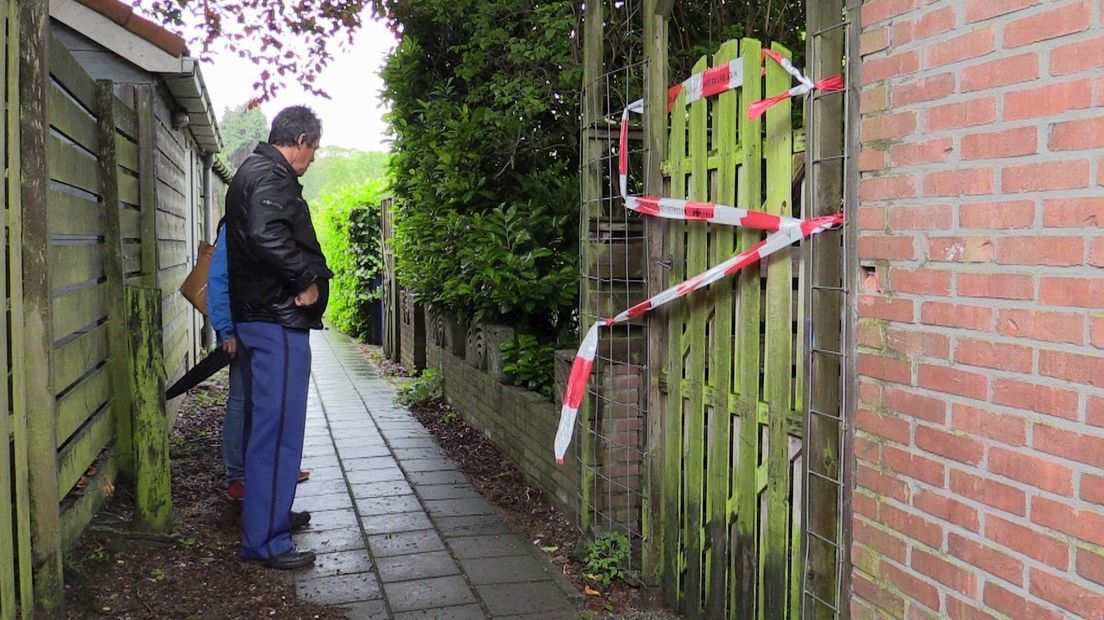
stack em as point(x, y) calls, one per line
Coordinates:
point(606, 557)
point(485, 158)
point(428, 387)
point(530, 363)
point(348, 230)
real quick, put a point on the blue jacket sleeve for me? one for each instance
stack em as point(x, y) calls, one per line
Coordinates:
point(218, 290)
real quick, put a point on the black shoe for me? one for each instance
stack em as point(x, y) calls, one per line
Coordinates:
point(298, 520)
point(289, 560)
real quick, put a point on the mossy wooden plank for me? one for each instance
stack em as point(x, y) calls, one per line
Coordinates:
point(79, 512)
point(79, 310)
point(147, 182)
point(169, 199)
point(778, 354)
point(132, 258)
point(34, 63)
point(169, 172)
point(126, 152)
point(10, 469)
point(130, 193)
point(126, 120)
point(75, 263)
point(70, 118)
point(71, 165)
point(694, 435)
point(66, 70)
point(86, 398)
point(130, 222)
point(717, 525)
point(171, 253)
point(170, 227)
point(114, 270)
point(74, 214)
point(72, 360)
point(13, 149)
point(655, 137)
point(168, 143)
point(673, 416)
point(82, 450)
point(745, 570)
point(153, 492)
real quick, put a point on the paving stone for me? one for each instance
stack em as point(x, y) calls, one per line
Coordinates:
point(409, 454)
point(318, 462)
point(367, 610)
point(361, 452)
point(396, 522)
point(325, 473)
point(385, 545)
point(372, 462)
point(509, 569)
point(523, 598)
point(330, 540)
point(438, 477)
point(313, 487)
point(433, 464)
point(475, 525)
point(487, 546)
point(464, 612)
point(319, 503)
point(446, 491)
point(397, 444)
point(464, 507)
point(339, 589)
point(416, 566)
point(333, 520)
point(370, 476)
point(386, 505)
point(382, 489)
point(428, 593)
point(338, 563)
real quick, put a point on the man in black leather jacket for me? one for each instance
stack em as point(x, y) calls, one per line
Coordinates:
point(279, 285)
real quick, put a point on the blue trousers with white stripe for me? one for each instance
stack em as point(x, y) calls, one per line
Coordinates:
point(275, 364)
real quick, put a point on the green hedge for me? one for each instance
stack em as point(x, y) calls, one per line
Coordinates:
point(484, 105)
point(348, 225)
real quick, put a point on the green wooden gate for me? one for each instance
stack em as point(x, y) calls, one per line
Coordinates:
point(732, 419)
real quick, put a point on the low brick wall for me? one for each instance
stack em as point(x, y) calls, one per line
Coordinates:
point(521, 423)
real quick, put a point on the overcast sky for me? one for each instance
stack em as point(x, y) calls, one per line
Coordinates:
point(353, 118)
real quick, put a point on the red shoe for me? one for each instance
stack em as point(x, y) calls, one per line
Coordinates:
point(304, 475)
point(235, 490)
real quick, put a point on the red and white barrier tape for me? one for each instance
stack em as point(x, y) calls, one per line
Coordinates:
point(708, 83)
point(584, 359)
point(805, 85)
point(785, 231)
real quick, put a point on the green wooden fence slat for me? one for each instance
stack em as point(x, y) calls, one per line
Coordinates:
point(726, 141)
point(698, 306)
point(745, 572)
point(82, 451)
point(673, 417)
point(777, 384)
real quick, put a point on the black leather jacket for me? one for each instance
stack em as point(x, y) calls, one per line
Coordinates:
point(273, 250)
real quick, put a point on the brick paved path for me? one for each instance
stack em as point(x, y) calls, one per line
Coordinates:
point(398, 530)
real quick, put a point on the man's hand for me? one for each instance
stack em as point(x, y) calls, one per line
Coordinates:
point(308, 296)
point(230, 345)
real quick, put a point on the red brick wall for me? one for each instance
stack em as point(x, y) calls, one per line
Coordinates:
point(980, 429)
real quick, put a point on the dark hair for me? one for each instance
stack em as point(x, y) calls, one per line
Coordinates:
point(293, 121)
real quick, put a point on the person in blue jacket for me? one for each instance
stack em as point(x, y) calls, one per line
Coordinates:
point(233, 425)
point(218, 310)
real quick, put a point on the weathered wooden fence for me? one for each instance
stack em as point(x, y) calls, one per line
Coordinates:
point(90, 209)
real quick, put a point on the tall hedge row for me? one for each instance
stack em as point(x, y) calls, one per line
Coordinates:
point(484, 163)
